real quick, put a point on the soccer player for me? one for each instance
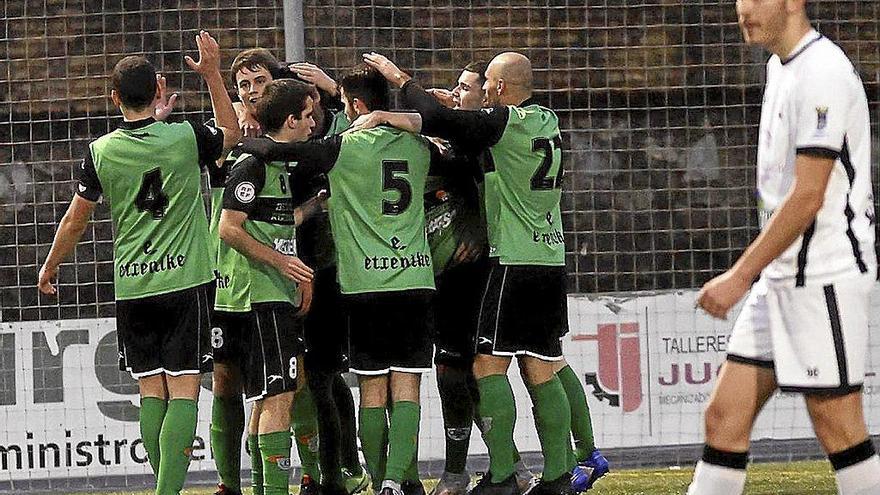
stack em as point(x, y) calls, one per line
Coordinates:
point(524, 308)
point(149, 171)
point(377, 178)
point(804, 325)
point(268, 280)
point(251, 71)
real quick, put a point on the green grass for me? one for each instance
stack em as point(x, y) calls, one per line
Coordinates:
point(814, 477)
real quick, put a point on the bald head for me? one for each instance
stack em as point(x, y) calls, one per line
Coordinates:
point(509, 76)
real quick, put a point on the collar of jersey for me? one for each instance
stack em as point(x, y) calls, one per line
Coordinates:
point(136, 124)
point(811, 37)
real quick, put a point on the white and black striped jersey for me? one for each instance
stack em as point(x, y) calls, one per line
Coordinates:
point(815, 104)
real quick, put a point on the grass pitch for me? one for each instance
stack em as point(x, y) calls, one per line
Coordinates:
point(813, 477)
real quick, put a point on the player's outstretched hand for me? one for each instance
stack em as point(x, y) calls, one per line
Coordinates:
point(387, 68)
point(165, 105)
point(721, 293)
point(444, 96)
point(209, 55)
point(45, 281)
point(294, 269)
point(306, 289)
point(315, 75)
point(249, 125)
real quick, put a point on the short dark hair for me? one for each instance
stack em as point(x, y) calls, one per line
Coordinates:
point(281, 98)
point(367, 85)
point(478, 67)
point(134, 79)
point(253, 58)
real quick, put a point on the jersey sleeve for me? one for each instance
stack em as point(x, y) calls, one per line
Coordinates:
point(472, 130)
point(823, 105)
point(244, 184)
point(209, 141)
point(313, 157)
point(88, 186)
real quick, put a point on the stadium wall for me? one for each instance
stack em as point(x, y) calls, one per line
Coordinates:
point(648, 360)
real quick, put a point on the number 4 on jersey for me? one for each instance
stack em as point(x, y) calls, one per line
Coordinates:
point(150, 197)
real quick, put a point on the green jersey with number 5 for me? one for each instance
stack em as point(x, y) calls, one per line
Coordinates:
point(377, 212)
point(150, 176)
point(523, 190)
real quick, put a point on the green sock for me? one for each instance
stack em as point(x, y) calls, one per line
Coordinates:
point(498, 413)
point(275, 454)
point(403, 439)
point(152, 414)
point(227, 426)
point(373, 431)
point(175, 443)
point(412, 472)
point(581, 424)
point(256, 464)
point(554, 426)
point(304, 421)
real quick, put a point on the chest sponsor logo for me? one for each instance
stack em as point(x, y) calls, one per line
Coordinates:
point(245, 192)
point(285, 246)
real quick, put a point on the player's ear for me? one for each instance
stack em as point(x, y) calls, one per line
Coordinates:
point(114, 97)
point(291, 121)
point(359, 106)
point(500, 88)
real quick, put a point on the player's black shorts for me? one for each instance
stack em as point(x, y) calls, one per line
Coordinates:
point(524, 311)
point(456, 310)
point(326, 326)
point(274, 344)
point(167, 333)
point(228, 330)
point(389, 332)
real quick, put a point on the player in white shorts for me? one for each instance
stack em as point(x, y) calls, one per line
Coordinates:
point(804, 326)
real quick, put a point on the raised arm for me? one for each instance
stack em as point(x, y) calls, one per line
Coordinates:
point(407, 121)
point(208, 66)
point(473, 130)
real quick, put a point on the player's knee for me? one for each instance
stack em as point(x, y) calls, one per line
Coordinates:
point(536, 371)
point(451, 379)
point(405, 386)
point(838, 420)
point(726, 426)
point(226, 381)
point(374, 390)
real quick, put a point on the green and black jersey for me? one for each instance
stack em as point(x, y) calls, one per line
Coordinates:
point(262, 191)
point(452, 211)
point(149, 172)
point(315, 236)
point(378, 179)
point(523, 173)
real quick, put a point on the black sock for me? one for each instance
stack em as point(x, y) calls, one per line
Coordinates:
point(458, 413)
point(733, 460)
point(321, 385)
point(348, 452)
point(852, 455)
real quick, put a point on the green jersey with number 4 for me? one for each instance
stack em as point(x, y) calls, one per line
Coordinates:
point(377, 213)
point(150, 176)
point(523, 190)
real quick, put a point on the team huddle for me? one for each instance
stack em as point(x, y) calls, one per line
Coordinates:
point(344, 236)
